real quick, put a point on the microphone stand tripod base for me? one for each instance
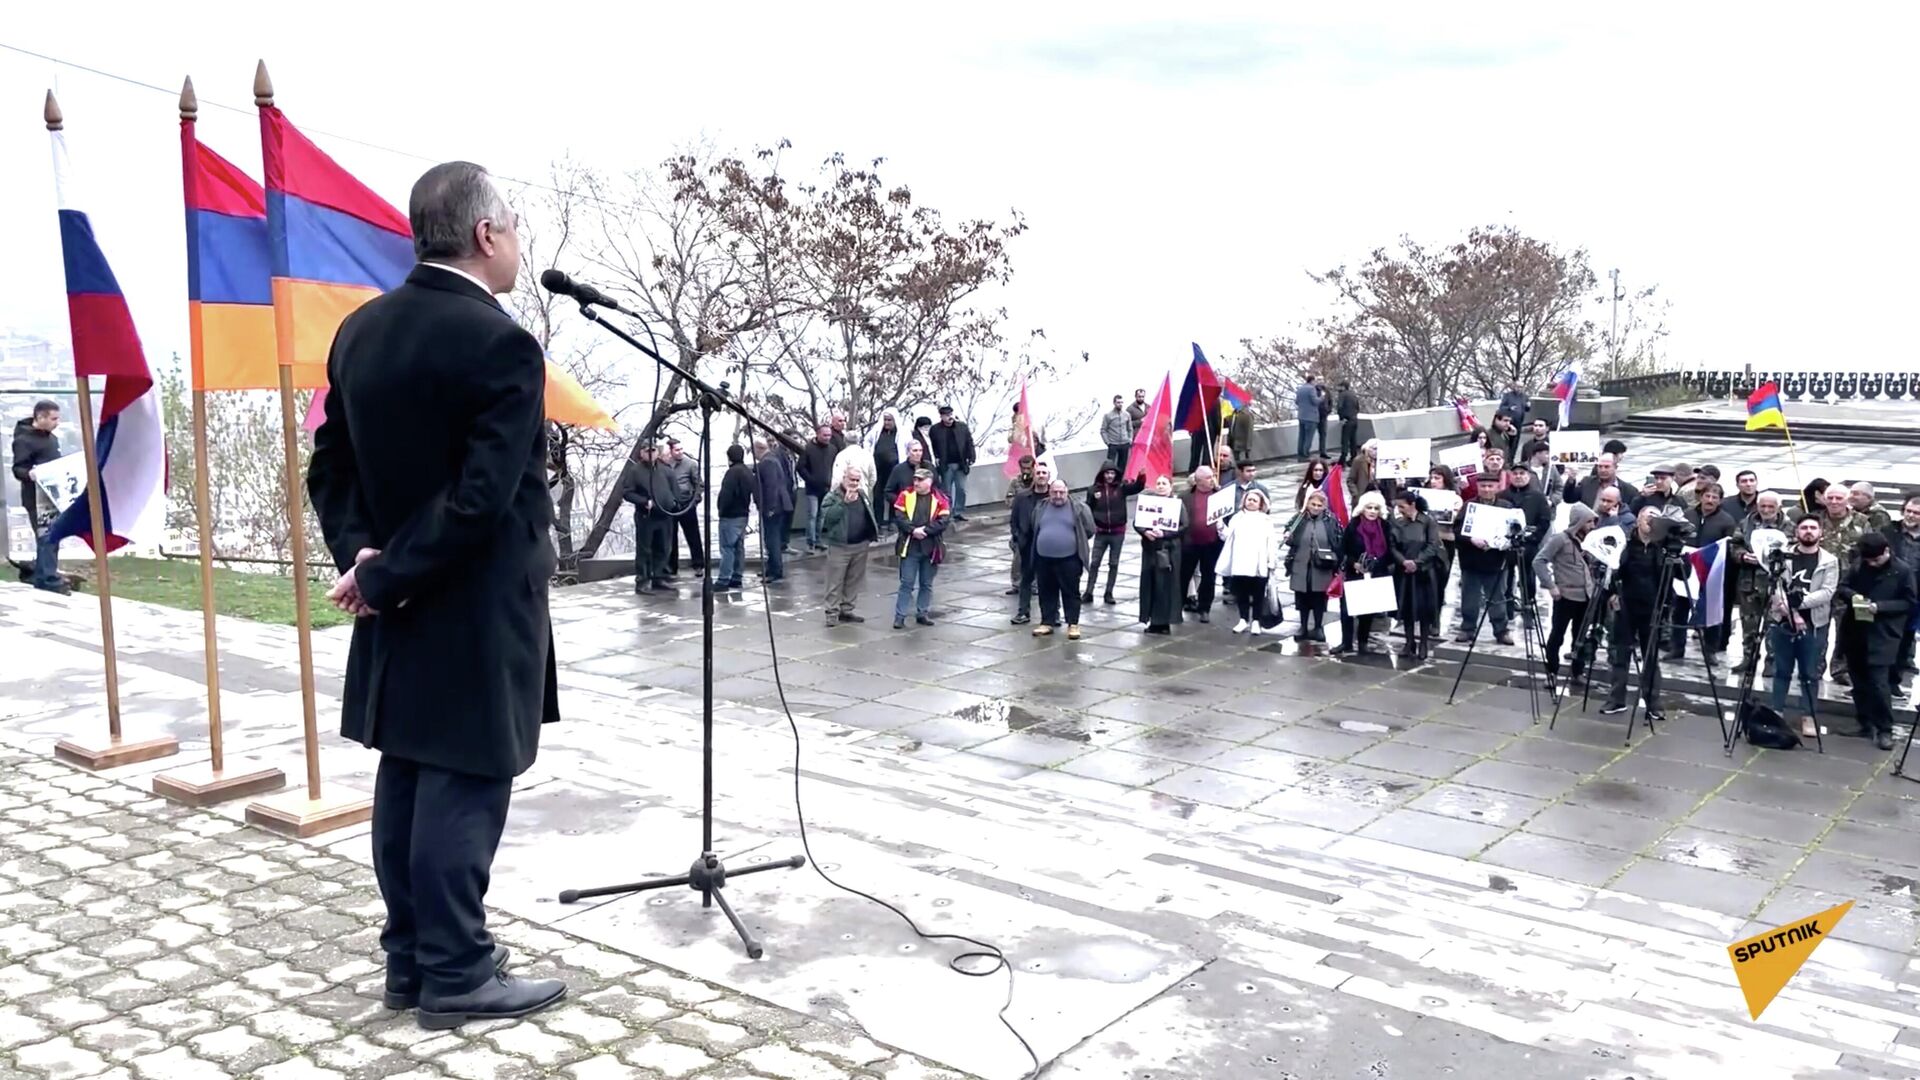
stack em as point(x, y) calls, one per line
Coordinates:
point(708, 876)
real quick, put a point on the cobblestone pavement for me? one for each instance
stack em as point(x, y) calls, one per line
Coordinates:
point(142, 939)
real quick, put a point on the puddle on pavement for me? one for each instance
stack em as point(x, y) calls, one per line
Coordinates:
point(1364, 727)
point(1893, 885)
point(995, 713)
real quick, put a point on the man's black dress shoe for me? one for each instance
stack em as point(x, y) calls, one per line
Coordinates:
point(503, 997)
point(404, 994)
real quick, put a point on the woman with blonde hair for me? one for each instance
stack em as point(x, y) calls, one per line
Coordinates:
point(1250, 549)
point(1313, 557)
point(1363, 554)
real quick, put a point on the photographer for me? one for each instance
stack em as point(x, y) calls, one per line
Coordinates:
point(1805, 578)
point(1529, 498)
point(1564, 569)
point(1634, 605)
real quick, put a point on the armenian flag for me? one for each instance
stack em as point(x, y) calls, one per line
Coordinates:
point(1763, 408)
point(333, 246)
point(1233, 397)
point(229, 272)
point(129, 443)
point(1199, 396)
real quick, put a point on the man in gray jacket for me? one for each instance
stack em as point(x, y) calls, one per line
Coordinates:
point(1568, 577)
point(1306, 406)
point(682, 500)
point(1116, 431)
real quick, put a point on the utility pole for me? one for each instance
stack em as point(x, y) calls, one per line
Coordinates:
point(1613, 332)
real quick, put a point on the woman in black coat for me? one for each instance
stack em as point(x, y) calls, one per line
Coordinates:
point(1160, 570)
point(1415, 552)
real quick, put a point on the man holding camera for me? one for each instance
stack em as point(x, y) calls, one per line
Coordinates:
point(1527, 497)
point(1634, 604)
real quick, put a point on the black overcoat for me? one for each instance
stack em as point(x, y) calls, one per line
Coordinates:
point(432, 452)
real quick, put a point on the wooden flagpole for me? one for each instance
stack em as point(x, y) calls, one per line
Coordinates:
point(213, 784)
point(117, 751)
point(299, 813)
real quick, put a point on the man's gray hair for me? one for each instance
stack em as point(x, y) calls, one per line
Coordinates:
point(448, 201)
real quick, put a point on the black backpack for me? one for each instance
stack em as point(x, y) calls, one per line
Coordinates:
point(1767, 729)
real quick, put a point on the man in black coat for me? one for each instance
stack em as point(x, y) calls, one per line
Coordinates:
point(1635, 601)
point(953, 448)
point(1873, 605)
point(1347, 404)
point(646, 483)
point(816, 471)
point(773, 491)
point(34, 445)
point(429, 480)
point(1529, 499)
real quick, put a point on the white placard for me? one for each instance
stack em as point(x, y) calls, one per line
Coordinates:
point(1369, 596)
point(1221, 504)
point(1606, 545)
point(1403, 457)
point(1444, 505)
point(1575, 447)
point(1160, 512)
point(1489, 523)
point(62, 480)
point(1464, 459)
point(1765, 542)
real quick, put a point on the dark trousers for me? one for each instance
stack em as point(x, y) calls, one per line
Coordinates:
point(773, 534)
point(1566, 613)
point(1349, 440)
point(1109, 545)
point(1199, 558)
point(1631, 632)
point(434, 836)
point(1029, 567)
point(1059, 584)
point(1523, 591)
point(1249, 596)
point(1873, 697)
point(651, 536)
point(1117, 457)
point(696, 549)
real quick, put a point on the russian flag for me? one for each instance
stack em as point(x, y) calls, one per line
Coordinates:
point(1563, 388)
point(129, 443)
point(1199, 396)
point(1708, 565)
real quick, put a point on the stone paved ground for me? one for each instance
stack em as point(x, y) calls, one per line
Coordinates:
point(140, 939)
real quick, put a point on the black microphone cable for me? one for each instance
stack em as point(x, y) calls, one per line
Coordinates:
point(981, 950)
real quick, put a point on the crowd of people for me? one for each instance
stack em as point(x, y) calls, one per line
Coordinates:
point(1831, 597)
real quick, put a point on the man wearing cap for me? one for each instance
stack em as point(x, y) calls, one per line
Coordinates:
point(1658, 494)
point(1874, 602)
point(1480, 567)
point(652, 525)
point(953, 449)
point(919, 517)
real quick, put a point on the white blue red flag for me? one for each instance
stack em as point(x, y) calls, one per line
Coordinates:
point(129, 443)
point(1707, 567)
point(1563, 388)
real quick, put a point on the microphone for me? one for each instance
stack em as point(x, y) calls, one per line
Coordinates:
point(561, 285)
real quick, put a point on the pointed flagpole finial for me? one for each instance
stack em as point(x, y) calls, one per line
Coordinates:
point(262, 86)
point(52, 114)
point(189, 104)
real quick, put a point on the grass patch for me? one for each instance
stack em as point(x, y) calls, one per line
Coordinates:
point(175, 583)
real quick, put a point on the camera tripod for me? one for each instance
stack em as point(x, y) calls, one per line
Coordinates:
point(1777, 592)
point(1529, 625)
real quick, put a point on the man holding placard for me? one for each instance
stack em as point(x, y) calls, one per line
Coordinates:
point(34, 445)
point(1482, 559)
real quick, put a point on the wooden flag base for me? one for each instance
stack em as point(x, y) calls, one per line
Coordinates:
point(202, 785)
point(115, 752)
point(296, 816)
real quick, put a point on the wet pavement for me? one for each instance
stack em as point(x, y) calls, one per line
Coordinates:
point(1206, 855)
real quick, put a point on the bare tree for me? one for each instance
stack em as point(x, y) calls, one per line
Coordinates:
point(1634, 341)
point(1533, 295)
point(986, 401)
point(1427, 307)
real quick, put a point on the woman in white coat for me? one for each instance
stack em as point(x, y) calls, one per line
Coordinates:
point(1249, 554)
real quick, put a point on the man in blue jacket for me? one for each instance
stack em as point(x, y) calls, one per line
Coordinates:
point(1306, 405)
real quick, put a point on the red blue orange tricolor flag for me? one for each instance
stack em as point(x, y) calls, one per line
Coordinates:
point(333, 245)
point(229, 272)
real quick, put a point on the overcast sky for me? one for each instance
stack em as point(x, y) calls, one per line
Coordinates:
point(1180, 174)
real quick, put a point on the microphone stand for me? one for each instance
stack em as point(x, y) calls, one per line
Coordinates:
point(708, 875)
